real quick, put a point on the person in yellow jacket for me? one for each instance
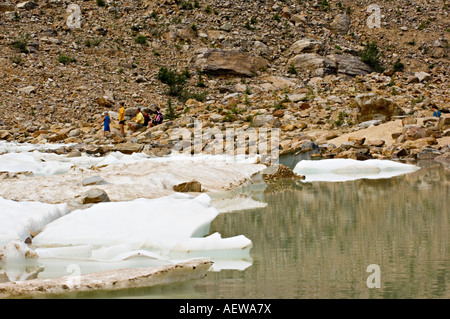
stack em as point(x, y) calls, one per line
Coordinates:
point(138, 121)
point(122, 118)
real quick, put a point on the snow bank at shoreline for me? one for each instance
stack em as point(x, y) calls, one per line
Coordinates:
point(146, 224)
point(17, 219)
point(127, 177)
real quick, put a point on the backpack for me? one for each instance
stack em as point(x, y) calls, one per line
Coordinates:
point(159, 117)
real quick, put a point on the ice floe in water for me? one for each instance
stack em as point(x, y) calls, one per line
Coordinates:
point(138, 233)
point(340, 170)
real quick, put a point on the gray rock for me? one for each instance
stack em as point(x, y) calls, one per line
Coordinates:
point(227, 27)
point(340, 24)
point(28, 90)
point(350, 64)
point(94, 195)
point(314, 63)
point(369, 123)
point(422, 76)
point(93, 180)
point(307, 46)
point(262, 120)
point(27, 5)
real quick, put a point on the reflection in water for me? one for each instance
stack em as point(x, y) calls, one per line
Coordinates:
point(316, 240)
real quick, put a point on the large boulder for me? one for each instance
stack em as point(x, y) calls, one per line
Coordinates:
point(375, 107)
point(233, 62)
point(192, 186)
point(307, 46)
point(340, 24)
point(350, 65)
point(27, 5)
point(414, 132)
point(314, 63)
point(128, 148)
point(262, 120)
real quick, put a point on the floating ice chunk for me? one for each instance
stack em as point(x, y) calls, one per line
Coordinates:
point(213, 246)
point(338, 170)
point(144, 227)
point(140, 223)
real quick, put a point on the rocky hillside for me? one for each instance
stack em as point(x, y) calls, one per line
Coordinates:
point(299, 65)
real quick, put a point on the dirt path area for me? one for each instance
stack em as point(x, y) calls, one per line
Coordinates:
point(380, 132)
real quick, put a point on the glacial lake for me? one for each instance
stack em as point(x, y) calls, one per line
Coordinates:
point(334, 240)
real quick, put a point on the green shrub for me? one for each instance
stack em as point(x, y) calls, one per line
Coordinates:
point(16, 59)
point(371, 56)
point(174, 80)
point(292, 69)
point(170, 114)
point(398, 66)
point(65, 59)
point(141, 39)
point(21, 43)
point(324, 5)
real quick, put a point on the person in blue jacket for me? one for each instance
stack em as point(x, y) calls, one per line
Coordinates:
point(436, 112)
point(106, 121)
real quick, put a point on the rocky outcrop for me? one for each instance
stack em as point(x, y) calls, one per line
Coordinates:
point(307, 46)
point(229, 62)
point(313, 63)
point(375, 107)
point(350, 65)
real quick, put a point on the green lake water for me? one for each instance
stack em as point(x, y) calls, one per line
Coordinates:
point(317, 240)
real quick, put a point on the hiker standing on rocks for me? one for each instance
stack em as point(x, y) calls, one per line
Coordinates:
point(106, 121)
point(138, 121)
point(122, 118)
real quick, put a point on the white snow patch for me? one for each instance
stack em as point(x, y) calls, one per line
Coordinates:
point(340, 170)
point(17, 219)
